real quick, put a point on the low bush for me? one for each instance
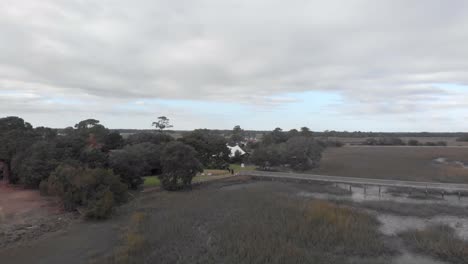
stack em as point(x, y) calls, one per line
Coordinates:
point(298, 153)
point(135, 161)
point(385, 141)
point(438, 143)
point(439, 241)
point(463, 138)
point(95, 190)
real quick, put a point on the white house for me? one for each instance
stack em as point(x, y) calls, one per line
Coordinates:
point(234, 150)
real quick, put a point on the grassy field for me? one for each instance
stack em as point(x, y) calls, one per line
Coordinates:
point(252, 223)
point(402, 163)
point(207, 175)
point(451, 141)
point(237, 167)
point(239, 220)
point(151, 181)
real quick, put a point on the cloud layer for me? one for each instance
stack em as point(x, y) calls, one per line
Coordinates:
point(382, 57)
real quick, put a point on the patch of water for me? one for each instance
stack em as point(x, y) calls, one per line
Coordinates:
point(440, 160)
point(393, 224)
point(445, 161)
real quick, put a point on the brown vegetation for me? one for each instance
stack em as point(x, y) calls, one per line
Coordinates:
point(398, 163)
point(439, 241)
point(257, 222)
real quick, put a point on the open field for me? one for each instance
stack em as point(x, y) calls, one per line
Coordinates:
point(252, 222)
point(451, 141)
point(234, 220)
point(207, 175)
point(396, 163)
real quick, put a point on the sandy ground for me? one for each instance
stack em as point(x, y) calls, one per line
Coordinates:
point(26, 215)
point(18, 205)
point(79, 243)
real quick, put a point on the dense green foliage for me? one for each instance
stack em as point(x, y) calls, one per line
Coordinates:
point(296, 150)
point(16, 135)
point(135, 161)
point(298, 153)
point(179, 166)
point(385, 141)
point(34, 165)
point(96, 190)
point(212, 150)
point(237, 135)
point(155, 138)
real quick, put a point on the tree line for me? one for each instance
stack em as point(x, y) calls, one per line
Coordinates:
point(91, 168)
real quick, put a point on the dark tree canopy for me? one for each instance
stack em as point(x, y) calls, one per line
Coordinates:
point(237, 135)
point(212, 150)
point(87, 124)
point(112, 141)
point(162, 123)
point(16, 135)
point(135, 161)
point(179, 166)
point(298, 153)
point(34, 165)
point(149, 137)
point(97, 190)
point(275, 137)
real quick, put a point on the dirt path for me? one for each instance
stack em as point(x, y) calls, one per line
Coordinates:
point(78, 244)
point(18, 205)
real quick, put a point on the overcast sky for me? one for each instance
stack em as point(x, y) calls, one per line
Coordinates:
point(342, 65)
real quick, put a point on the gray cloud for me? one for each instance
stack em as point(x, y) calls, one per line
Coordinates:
point(382, 57)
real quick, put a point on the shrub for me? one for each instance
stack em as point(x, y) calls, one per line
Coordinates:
point(439, 241)
point(299, 153)
point(441, 143)
point(302, 153)
point(463, 138)
point(34, 164)
point(180, 165)
point(413, 142)
point(93, 157)
point(135, 161)
point(211, 148)
point(100, 207)
point(43, 187)
point(149, 137)
point(384, 141)
point(97, 190)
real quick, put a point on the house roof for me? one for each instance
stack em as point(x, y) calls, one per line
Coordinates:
point(234, 150)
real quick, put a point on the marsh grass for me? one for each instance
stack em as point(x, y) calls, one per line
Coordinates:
point(439, 241)
point(288, 231)
point(397, 163)
point(407, 209)
point(133, 243)
point(260, 224)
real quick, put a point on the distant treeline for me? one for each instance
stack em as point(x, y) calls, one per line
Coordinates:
point(327, 133)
